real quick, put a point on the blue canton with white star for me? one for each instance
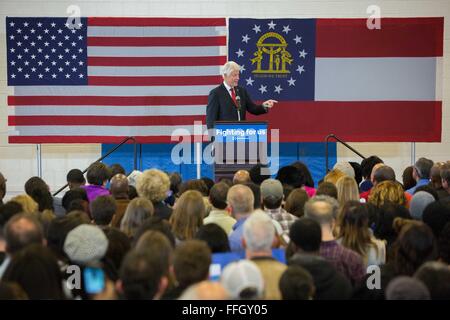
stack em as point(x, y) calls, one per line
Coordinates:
point(46, 51)
point(297, 82)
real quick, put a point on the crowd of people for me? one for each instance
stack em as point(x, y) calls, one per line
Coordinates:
point(358, 233)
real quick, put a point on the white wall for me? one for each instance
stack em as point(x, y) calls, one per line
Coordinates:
point(18, 162)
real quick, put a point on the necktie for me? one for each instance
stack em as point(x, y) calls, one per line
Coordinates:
point(233, 96)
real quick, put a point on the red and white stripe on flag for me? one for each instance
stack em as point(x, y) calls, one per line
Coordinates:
point(146, 78)
point(370, 85)
point(150, 76)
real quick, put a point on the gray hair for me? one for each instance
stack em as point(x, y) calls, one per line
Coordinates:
point(322, 209)
point(240, 198)
point(229, 67)
point(423, 167)
point(259, 232)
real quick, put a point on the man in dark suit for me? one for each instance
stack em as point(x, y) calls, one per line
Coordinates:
point(230, 102)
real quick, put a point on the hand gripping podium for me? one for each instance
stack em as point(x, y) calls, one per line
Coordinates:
point(238, 145)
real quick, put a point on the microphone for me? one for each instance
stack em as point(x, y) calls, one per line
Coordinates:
point(238, 98)
point(238, 103)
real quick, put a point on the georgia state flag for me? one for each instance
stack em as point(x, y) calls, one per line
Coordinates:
point(340, 76)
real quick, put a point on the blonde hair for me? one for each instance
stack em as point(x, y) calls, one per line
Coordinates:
point(187, 215)
point(153, 185)
point(347, 190)
point(387, 192)
point(333, 176)
point(28, 204)
point(138, 210)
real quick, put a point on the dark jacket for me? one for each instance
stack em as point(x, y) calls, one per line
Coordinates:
point(162, 210)
point(329, 283)
point(222, 108)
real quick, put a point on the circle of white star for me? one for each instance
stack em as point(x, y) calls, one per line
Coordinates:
point(271, 25)
point(303, 54)
point(286, 29)
point(263, 89)
point(256, 28)
point(240, 53)
point(300, 69)
point(278, 89)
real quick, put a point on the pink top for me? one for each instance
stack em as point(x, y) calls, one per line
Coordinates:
point(310, 191)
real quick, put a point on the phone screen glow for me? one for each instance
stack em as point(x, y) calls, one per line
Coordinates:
point(94, 280)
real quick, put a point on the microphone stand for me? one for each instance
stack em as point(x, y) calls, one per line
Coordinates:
point(238, 103)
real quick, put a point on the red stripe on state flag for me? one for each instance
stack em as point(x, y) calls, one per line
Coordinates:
point(157, 41)
point(106, 100)
point(156, 61)
point(398, 37)
point(153, 81)
point(156, 22)
point(103, 120)
point(375, 121)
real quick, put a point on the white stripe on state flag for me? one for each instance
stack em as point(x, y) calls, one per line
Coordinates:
point(114, 91)
point(154, 71)
point(439, 78)
point(376, 79)
point(193, 110)
point(206, 51)
point(95, 31)
point(103, 130)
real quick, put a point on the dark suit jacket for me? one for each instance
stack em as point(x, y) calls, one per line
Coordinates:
point(222, 108)
point(162, 210)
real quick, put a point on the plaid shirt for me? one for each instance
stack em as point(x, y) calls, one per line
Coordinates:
point(283, 217)
point(346, 261)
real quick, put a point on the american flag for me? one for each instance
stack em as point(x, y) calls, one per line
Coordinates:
point(339, 76)
point(103, 79)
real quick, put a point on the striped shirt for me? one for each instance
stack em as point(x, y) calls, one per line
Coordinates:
point(283, 217)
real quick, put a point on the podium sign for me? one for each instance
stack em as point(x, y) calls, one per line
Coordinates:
point(239, 145)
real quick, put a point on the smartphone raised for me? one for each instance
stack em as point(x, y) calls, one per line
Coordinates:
point(94, 280)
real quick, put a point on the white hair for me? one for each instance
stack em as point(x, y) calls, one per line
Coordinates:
point(229, 67)
point(241, 199)
point(259, 232)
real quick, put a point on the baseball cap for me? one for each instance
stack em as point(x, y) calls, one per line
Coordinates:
point(86, 244)
point(243, 280)
point(271, 187)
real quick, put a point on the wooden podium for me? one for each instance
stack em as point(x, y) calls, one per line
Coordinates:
point(238, 145)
